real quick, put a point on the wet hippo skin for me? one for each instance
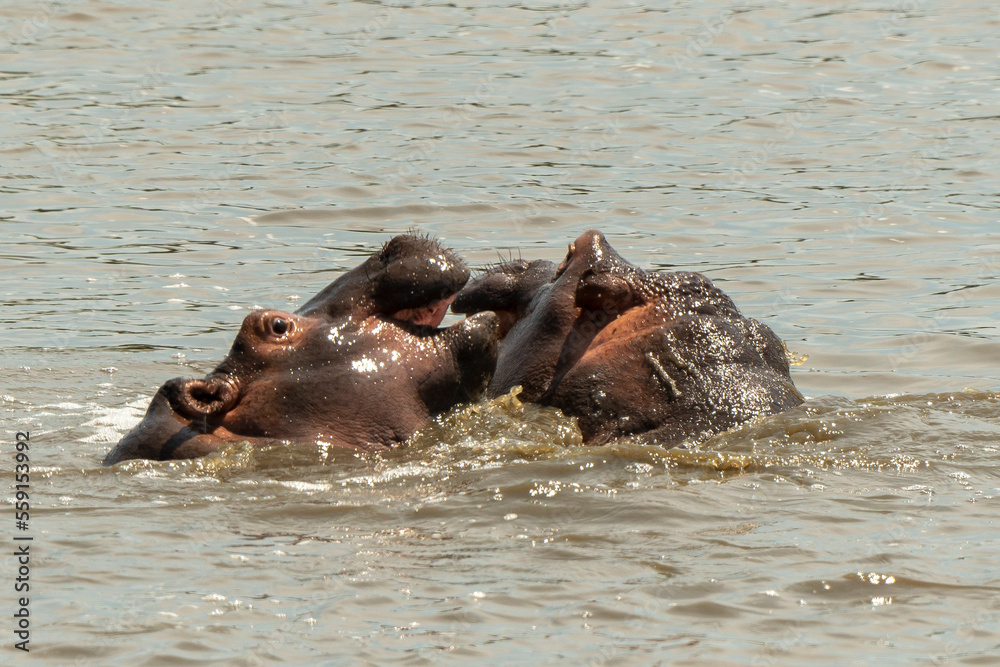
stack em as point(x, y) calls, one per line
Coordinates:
point(360, 365)
point(663, 356)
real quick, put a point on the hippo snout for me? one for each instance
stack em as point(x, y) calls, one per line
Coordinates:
point(197, 399)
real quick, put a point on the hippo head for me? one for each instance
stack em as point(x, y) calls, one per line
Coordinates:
point(506, 289)
point(360, 365)
point(628, 351)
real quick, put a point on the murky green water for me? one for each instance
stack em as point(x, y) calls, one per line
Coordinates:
point(832, 167)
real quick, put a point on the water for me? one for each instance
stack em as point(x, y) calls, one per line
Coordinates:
point(833, 168)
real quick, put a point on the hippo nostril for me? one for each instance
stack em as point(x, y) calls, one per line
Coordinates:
point(202, 398)
point(203, 395)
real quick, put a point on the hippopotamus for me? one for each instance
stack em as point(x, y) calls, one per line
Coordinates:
point(661, 357)
point(361, 365)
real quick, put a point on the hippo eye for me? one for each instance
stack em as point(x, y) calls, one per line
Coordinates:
point(280, 326)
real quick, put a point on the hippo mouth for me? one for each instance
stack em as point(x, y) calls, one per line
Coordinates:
point(430, 315)
point(168, 430)
point(200, 410)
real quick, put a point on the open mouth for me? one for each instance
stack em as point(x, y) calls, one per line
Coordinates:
point(430, 315)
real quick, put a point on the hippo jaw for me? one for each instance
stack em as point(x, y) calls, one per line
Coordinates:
point(163, 433)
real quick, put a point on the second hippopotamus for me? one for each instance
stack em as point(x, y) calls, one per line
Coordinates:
point(663, 356)
point(361, 365)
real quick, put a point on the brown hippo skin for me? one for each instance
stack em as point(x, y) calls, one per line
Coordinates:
point(361, 365)
point(663, 356)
